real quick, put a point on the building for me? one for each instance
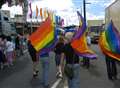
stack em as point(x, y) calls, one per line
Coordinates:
point(95, 26)
point(6, 26)
point(112, 12)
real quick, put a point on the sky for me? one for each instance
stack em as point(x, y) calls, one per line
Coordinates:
point(66, 8)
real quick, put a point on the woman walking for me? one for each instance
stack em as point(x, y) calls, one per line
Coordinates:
point(58, 52)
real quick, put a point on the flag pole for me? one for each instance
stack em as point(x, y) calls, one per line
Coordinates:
point(31, 27)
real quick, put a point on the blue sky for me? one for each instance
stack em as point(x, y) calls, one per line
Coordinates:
point(96, 8)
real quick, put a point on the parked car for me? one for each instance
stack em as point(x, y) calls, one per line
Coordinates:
point(95, 39)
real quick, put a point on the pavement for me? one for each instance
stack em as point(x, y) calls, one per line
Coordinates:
point(20, 75)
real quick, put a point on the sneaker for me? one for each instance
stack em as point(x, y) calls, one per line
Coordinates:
point(35, 75)
point(60, 75)
point(57, 74)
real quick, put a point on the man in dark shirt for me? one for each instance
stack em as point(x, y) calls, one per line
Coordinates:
point(72, 60)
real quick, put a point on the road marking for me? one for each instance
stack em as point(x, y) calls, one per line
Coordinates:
point(65, 84)
point(25, 51)
point(56, 83)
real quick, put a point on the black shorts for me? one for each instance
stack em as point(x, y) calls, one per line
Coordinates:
point(33, 56)
point(57, 59)
point(2, 57)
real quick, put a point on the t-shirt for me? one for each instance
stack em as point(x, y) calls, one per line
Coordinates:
point(71, 56)
point(9, 46)
point(44, 55)
point(88, 40)
point(31, 49)
point(58, 48)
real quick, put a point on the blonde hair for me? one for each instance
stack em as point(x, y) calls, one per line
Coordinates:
point(69, 35)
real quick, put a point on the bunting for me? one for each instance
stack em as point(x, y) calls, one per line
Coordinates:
point(36, 11)
point(41, 14)
point(45, 13)
point(30, 10)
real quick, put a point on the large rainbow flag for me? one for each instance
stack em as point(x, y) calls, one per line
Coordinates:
point(43, 36)
point(110, 42)
point(79, 42)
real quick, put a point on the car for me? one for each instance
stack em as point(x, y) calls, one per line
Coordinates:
point(95, 39)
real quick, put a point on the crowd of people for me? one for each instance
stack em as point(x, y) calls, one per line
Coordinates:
point(66, 59)
point(65, 56)
point(67, 62)
point(11, 47)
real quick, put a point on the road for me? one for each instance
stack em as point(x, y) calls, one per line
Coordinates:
point(20, 75)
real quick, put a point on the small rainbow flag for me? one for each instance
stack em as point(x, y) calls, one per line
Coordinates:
point(43, 36)
point(110, 42)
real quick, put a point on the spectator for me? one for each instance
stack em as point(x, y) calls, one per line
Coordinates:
point(86, 60)
point(9, 51)
point(1, 53)
point(17, 46)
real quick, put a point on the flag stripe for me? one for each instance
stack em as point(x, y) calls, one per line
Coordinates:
point(41, 31)
point(43, 36)
point(45, 41)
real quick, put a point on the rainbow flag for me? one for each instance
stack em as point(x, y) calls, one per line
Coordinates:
point(43, 36)
point(110, 42)
point(79, 42)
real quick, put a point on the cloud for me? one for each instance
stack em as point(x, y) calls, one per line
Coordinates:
point(109, 3)
point(96, 10)
point(91, 16)
point(53, 4)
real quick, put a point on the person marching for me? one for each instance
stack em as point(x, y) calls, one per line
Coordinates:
point(72, 66)
point(34, 57)
point(58, 51)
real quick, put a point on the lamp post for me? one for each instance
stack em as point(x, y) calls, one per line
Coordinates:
point(84, 9)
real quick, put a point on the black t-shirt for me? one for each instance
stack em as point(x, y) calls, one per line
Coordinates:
point(71, 56)
point(58, 48)
point(31, 49)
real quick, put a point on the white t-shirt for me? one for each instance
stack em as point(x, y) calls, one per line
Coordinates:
point(9, 46)
point(88, 40)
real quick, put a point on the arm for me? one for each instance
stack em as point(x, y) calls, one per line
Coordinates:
point(62, 61)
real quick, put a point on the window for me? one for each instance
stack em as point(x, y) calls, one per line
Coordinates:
point(6, 19)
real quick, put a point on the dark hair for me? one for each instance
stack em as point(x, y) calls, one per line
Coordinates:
point(9, 38)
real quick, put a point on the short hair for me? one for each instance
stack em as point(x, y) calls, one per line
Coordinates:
point(69, 35)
